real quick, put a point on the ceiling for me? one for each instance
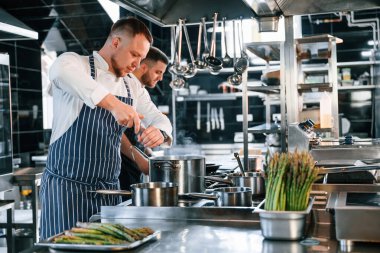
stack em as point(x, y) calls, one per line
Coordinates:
point(74, 25)
point(82, 25)
point(167, 12)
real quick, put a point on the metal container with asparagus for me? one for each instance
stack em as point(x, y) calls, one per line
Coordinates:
point(289, 178)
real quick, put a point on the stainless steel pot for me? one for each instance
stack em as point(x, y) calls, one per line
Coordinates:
point(253, 180)
point(155, 194)
point(255, 163)
point(234, 196)
point(186, 171)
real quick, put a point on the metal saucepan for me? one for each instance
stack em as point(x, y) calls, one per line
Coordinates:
point(234, 196)
point(255, 163)
point(156, 194)
point(253, 180)
point(186, 171)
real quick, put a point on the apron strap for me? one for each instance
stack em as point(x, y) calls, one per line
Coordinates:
point(100, 185)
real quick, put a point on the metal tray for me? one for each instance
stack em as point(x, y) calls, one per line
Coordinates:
point(88, 247)
point(283, 225)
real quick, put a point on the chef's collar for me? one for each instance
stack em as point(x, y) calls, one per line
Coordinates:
point(131, 75)
point(102, 64)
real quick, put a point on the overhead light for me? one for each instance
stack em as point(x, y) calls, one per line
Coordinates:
point(112, 9)
point(366, 53)
point(13, 29)
point(371, 43)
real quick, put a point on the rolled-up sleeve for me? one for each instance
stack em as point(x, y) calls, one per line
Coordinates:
point(71, 74)
point(152, 116)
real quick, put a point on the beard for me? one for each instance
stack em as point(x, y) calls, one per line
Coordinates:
point(147, 81)
point(119, 71)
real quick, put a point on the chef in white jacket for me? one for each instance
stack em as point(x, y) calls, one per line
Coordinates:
point(93, 105)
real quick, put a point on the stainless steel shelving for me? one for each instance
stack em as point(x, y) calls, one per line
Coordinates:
point(269, 51)
point(357, 87)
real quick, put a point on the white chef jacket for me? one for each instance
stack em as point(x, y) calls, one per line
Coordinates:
point(71, 85)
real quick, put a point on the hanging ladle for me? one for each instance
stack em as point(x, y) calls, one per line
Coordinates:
point(177, 83)
point(206, 51)
point(242, 63)
point(191, 68)
point(214, 64)
point(199, 63)
point(227, 60)
point(236, 78)
point(177, 68)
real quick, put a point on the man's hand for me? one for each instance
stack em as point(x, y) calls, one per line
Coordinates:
point(124, 114)
point(151, 137)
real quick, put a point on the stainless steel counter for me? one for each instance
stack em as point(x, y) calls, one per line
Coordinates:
point(211, 229)
point(196, 236)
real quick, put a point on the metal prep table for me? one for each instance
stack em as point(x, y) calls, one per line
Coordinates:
point(210, 229)
point(30, 176)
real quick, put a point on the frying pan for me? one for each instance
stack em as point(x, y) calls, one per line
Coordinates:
point(156, 194)
point(253, 180)
point(211, 168)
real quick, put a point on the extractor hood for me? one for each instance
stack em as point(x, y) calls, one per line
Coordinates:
point(167, 12)
point(13, 29)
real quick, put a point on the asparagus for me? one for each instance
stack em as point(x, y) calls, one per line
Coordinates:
point(289, 177)
point(102, 234)
point(79, 240)
point(109, 239)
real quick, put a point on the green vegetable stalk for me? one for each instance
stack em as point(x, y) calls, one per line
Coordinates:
point(289, 178)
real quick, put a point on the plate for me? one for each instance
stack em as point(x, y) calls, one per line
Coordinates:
point(87, 247)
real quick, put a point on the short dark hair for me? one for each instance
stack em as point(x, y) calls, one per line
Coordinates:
point(156, 55)
point(131, 26)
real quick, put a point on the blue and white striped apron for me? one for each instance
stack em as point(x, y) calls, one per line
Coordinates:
point(86, 157)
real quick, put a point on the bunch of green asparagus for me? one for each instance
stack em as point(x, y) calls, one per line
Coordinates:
point(102, 234)
point(289, 177)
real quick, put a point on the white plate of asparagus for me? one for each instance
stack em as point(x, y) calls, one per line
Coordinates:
point(100, 237)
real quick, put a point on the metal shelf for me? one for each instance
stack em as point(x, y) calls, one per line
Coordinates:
point(314, 87)
point(317, 39)
point(265, 89)
point(265, 128)
point(268, 51)
point(213, 96)
point(357, 63)
point(256, 68)
point(356, 87)
point(5, 156)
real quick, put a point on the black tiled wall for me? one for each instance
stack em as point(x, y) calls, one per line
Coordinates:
point(26, 92)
